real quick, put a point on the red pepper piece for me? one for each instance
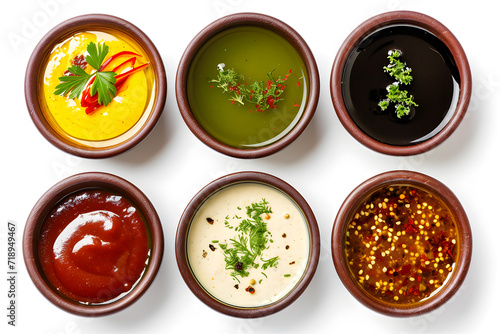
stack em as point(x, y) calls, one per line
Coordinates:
point(131, 71)
point(91, 102)
point(89, 110)
point(113, 57)
point(86, 98)
point(122, 77)
point(129, 62)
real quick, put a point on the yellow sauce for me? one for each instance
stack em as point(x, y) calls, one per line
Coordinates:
point(125, 110)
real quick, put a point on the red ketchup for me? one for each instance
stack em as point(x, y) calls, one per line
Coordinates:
point(93, 246)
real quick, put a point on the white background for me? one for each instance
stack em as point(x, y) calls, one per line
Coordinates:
point(324, 164)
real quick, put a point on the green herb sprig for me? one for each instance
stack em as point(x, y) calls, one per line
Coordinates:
point(104, 81)
point(243, 252)
point(263, 95)
point(402, 74)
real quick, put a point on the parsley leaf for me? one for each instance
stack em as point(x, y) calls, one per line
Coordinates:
point(96, 55)
point(104, 81)
point(104, 85)
point(73, 84)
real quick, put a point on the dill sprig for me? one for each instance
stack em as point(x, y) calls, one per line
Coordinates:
point(246, 248)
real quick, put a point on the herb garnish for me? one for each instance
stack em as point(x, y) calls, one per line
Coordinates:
point(244, 251)
point(263, 95)
point(103, 81)
point(402, 74)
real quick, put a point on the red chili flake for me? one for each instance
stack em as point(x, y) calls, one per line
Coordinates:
point(270, 102)
point(405, 270)
point(211, 86)
point(250, 289)
point(290, 71)
point(410, 229)
point(296, 104)
point(232, 101)
point(79, 61)
point(298, 84)
point(210, 220)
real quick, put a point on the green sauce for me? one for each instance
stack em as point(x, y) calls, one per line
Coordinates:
point(253, 52)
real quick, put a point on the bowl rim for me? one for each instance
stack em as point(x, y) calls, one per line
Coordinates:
point(46, 44)
point(407, 18)
point(430, 184)
point(247, 19)
point(66, 187)
point(185, 222)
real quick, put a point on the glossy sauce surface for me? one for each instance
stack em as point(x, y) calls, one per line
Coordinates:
point(401, 244)
point(94, 246)
point(252, 52)
point(69, 118)
point(214, 229)
point(435, 85)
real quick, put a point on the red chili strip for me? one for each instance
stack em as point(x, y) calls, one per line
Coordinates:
point(113, 57)
point(127, 63)
point(91, 102)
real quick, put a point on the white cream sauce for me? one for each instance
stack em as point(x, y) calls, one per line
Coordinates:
point(208, 265)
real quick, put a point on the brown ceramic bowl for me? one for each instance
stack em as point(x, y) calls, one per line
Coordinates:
point(35, 97)
point(60, 191)
point(355, 73)
point(301, 279)
point(367, 191)
point(207, 133)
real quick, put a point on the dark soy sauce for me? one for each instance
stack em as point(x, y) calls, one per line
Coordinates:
point(435, 85)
